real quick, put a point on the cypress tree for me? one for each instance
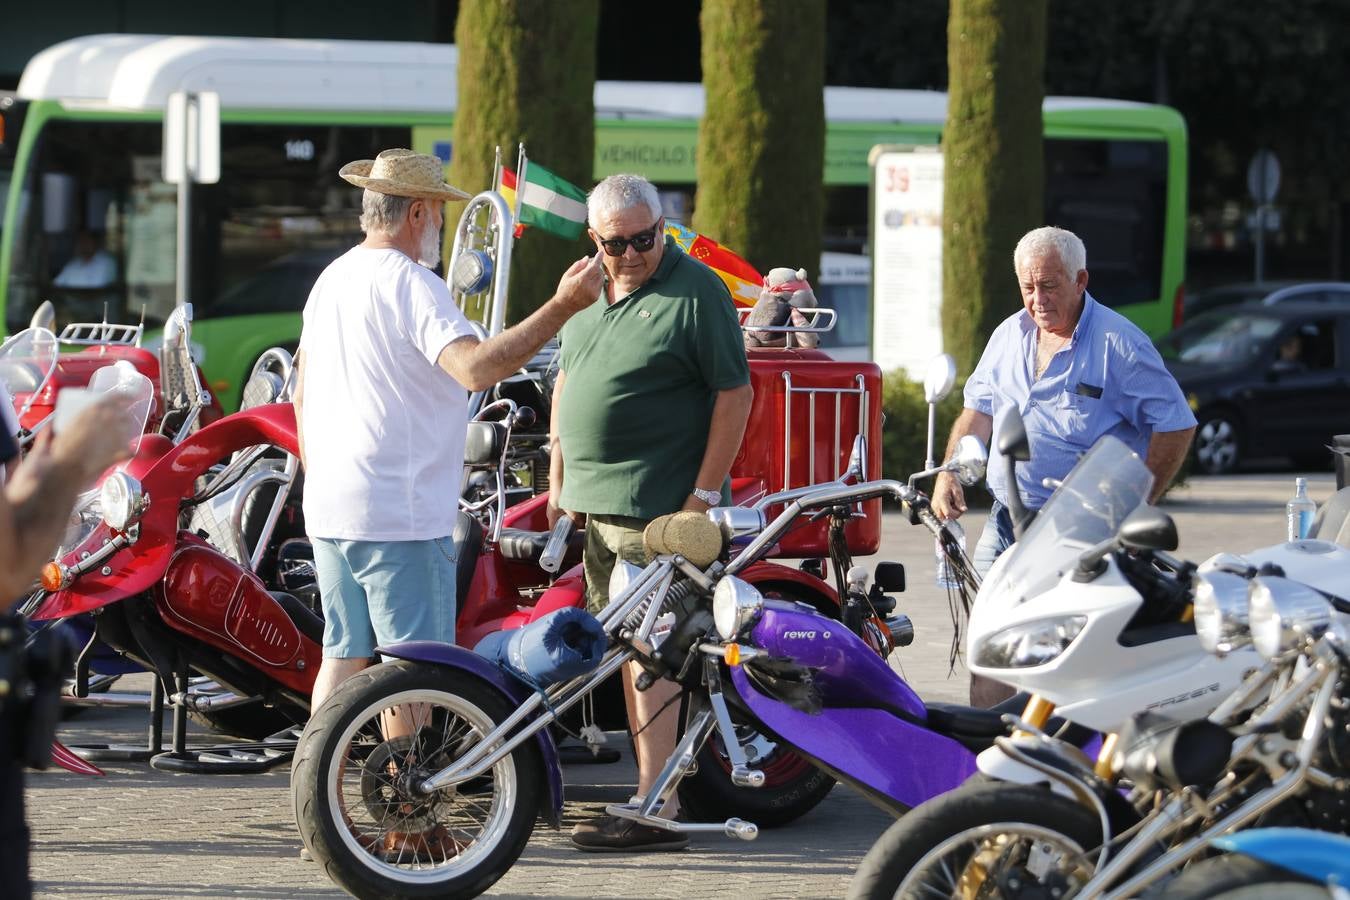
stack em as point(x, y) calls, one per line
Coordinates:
point(992, 145)
point(526, 73)
point(761, 144)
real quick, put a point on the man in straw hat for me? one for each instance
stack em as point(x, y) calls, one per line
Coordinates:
point(386, 363)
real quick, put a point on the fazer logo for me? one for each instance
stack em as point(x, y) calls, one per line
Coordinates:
point(800, 635)
point(1182, 698)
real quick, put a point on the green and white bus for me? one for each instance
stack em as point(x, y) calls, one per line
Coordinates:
point(80, 148)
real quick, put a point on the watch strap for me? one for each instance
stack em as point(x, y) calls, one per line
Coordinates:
point(712, 498)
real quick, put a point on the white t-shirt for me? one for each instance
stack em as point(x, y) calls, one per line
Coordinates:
point(100, 270)
point(383, 423)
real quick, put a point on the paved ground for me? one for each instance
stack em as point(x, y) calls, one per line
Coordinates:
point(145, 834)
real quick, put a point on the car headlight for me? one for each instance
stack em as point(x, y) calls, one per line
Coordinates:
point(1283, 614)
point(621, 577)
point(1029, 644)
point(736, 606)
point(121, 500)
point(1220, 606)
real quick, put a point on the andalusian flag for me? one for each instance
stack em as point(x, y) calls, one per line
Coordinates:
point(548, 202)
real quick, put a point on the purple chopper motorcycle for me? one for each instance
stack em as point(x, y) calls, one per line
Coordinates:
point(470, 764)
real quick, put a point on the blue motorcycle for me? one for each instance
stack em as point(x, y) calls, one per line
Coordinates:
point(1293, 863)
point(424, 775)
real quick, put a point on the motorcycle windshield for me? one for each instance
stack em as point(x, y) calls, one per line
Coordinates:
point(134, 394)
point(1108, 483)
point(27, 361)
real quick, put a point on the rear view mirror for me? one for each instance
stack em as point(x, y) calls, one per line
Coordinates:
point(969, 461)
point(44, 316)
point(857, 460)
point(1148, 528)
point(1012, 437)
point(890, 576)
point(940, 378)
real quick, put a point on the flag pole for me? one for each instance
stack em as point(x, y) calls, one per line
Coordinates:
point(497, 171)
point(521, 163)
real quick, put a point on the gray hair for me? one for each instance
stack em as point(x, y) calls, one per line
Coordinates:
point(382, 213)
point(618, 193)
point(1042, 242)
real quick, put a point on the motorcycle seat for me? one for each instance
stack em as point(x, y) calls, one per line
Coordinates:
point(527, 546)
point(976, 727)
point(954, 720)
point(310, 625)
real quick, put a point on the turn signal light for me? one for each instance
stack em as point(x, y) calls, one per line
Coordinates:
point(53, 577)
point(733, 654)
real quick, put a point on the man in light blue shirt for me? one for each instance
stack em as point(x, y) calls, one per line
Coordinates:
point(1076, 371)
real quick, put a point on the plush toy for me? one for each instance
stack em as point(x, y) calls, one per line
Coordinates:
point(785, 291)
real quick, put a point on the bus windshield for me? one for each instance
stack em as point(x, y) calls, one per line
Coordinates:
point(99, 225)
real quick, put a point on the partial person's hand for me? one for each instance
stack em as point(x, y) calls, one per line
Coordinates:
point(948, 500)
point(693, 503)
point(100, 436)
point(580, 285)
point(554, 512)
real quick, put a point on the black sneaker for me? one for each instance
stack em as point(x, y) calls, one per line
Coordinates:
point(610, 834)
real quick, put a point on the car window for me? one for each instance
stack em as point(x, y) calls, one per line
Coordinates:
point(1311, 345)
point(1221, 338)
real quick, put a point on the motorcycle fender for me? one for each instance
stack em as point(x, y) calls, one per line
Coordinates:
point(768, 573)
point(448, 655)
point(1317, 855)
point(898, 764)
point(1001, 767)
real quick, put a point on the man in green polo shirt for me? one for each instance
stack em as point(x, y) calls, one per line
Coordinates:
point(648, 412)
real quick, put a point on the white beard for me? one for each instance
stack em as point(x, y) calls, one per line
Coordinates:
point(429, 250)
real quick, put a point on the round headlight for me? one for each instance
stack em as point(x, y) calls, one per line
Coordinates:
point(1220, 606)
point(121, 500)
point(736, 605)
point(1029, 644)
point(1283, 614)
point(621, 576)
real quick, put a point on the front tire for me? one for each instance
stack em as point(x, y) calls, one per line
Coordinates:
point(1236, 877)
point(952, 845)
point(792, 785)
point(350, 786)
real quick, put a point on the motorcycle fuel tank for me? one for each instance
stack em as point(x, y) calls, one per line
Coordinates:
point(846, 671)
point(210, 597)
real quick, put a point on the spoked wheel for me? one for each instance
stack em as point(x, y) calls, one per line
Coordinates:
point(356, 772)
point(985, 839)
point(1003, 859)
point(792, 785)
point(1218, 443)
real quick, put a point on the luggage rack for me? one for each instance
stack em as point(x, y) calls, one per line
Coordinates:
point(813, 395)
point(815, 327)
point(101, 334)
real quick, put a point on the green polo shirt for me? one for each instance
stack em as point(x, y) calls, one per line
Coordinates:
point(642, 376)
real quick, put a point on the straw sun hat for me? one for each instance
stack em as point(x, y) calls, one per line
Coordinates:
point(402, 173)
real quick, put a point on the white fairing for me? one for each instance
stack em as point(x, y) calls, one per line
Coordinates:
point(1318, 564)
point(1099, 682)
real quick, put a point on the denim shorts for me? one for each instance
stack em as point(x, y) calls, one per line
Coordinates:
point(377, 593)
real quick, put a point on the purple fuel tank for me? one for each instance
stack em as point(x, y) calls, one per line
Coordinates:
point(847, 671)
point(870, 732)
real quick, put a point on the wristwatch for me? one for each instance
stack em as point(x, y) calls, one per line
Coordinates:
point(712, 498)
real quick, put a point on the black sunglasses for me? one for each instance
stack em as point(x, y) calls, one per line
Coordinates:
point(642, 242)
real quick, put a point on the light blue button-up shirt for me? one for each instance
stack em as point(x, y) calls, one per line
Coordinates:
point(1108, 379)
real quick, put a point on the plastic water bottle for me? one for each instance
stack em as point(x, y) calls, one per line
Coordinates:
point(551, 559)
point(1299, 511)
point(946, 578)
